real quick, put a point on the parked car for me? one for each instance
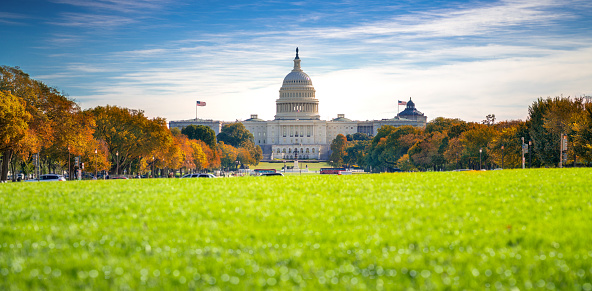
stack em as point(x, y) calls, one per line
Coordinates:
point(202, 175)
point(272, 174)
point(49, 178)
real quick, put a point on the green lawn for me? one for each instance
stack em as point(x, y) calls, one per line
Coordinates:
point(302, 165)
point(498, 230)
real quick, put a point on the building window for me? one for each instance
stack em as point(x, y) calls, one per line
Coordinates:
point(313, 150)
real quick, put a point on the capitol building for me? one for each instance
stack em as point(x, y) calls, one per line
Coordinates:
point(297, 132)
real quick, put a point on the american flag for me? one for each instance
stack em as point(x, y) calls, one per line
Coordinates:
point(202, 103)
point(402, 102)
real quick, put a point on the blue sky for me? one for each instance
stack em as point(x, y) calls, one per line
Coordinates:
point(462, 59)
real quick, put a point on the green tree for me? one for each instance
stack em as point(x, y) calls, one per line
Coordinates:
point(201, 132)
point(442, 124)
point(356, 153)
point(338, 152)
point(390, 144)
point(358, 136)
point(234, 134)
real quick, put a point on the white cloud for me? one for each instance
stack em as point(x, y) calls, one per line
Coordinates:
point(465, 63)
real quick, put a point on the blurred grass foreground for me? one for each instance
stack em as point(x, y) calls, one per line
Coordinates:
point(511, 229)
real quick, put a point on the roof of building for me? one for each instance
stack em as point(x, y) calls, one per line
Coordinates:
point(410, 110)
point(255, 119)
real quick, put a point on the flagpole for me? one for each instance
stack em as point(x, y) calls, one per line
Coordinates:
point(196, 112)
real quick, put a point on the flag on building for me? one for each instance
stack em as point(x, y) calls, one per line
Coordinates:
point(203, 103)
point(402, 102)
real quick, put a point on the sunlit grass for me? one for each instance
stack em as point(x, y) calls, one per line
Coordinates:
point(302, 165)
point(463, 230)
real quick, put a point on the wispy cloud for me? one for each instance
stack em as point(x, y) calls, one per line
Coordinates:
point(91, 20)
point(125, 6)
point(496, 57)
point(13, 18)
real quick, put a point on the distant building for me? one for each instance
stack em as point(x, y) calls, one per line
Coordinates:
point(297, 132)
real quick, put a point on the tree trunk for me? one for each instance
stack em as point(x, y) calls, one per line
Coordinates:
point(6, 158)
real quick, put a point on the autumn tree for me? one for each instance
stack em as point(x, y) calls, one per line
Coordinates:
point(582, 137)
point(13, 127)
point(228, 155)
point(427, 153)
point(390, 144)
point(548, 119)
point(212, 156)
point(509, 136)
point(131, 134)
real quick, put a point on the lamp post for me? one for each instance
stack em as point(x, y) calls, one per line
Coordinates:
point(69, 175)
point(480, 151)
point(502, 156)
point(530, 154)
point(96, 163)
point(523, 161)
point(117, 157)
point(153, 176)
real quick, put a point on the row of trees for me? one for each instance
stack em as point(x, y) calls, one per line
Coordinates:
point(452, 143)
point(38, 119)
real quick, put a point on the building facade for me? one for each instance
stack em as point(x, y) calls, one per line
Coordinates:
point(297, 132)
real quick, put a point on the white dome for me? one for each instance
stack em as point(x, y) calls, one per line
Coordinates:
point(297, 96)
point(297, 78)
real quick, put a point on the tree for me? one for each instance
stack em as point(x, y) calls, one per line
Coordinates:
point(442, 124)
point(201, 132)
point(234, 134)
point(426, 153)
point(489, 119)
point(582, 138)
point(212, 156)
point(338, 150)
point(131, 134)
point(509, 138)
point(13, 127)
point(228, 155)
point(356, 153)
point(390, 144)
point(548, 118)
point(357, 136)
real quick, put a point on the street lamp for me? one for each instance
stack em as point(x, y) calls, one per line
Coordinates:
point(69, 175)
point(117, 157)
point(153, 176)
point(480, 151)
point(502, 156)
point(530, 154)
point(96, 163)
